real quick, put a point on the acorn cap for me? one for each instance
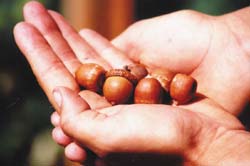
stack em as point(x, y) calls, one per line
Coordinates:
point(122, 73)
point(137, 70)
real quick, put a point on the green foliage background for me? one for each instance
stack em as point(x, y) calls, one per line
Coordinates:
point(24, 110)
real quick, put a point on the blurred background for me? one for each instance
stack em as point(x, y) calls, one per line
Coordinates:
point(24, 110)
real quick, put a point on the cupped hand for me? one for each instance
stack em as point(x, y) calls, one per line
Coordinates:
point(200, 133)
point(214, 50)
point(210, 49)
point(54, 51)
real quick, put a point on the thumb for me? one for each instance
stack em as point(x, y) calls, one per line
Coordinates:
point(69, 101)
point(77, 120)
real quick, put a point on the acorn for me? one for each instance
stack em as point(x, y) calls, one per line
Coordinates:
point(119, 86)
point(164, 77)
point(148, 91)
point(183, 88)
point(90, 76)
point(138, 70)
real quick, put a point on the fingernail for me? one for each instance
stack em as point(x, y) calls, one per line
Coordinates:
point(58, 98)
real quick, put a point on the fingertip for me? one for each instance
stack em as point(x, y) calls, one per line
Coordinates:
point(59, 137)
point(32, 6)
point(21, 28)
point(75, 153)
point(55, 119)
point(55, 14)
point(18, 28)
point(59, 19)
point(57, 97)
point(118, 42)
point(25, 33)
point(95, 39)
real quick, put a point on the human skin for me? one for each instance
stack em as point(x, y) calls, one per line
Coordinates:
point(214, 50)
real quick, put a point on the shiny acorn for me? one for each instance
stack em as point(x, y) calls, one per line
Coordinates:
point(90, 76)
point(183, 88)
point(119, 86)
point(148, 91)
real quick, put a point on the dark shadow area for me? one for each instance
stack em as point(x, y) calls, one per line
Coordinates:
point(143, 160)
point(245, 117)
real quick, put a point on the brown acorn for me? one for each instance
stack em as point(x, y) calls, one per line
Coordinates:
point(148, 91)
point(90, 76)
point(183, 88)
point(164, 77)
point(119, 86)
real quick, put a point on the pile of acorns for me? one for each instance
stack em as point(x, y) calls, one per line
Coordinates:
point(133, 84)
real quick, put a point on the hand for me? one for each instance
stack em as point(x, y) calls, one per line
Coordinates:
point(55, 50)
point(207, 112)
point(201, 133)
point(214, 50)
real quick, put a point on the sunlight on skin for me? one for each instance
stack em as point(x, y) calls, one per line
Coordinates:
point(215, 56)
point(187, 133)
point(59, 58)
point(195, 131)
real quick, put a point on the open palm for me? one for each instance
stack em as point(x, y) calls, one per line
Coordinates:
point(192, 131)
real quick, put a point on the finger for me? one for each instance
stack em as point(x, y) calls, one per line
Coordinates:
point(55, 119)
point(85, 126)
point(47, 67)
point(60, 93)
point(97, 102)
point(77, 120)
point(91, 127)
point(60, 137)
point(84, 52)
point(75, 153)
point(37, 15)
point(163, 42)
point(105, 49)
point(214, 111)
point(94, 100)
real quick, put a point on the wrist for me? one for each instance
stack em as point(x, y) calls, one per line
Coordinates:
point(229, 148)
